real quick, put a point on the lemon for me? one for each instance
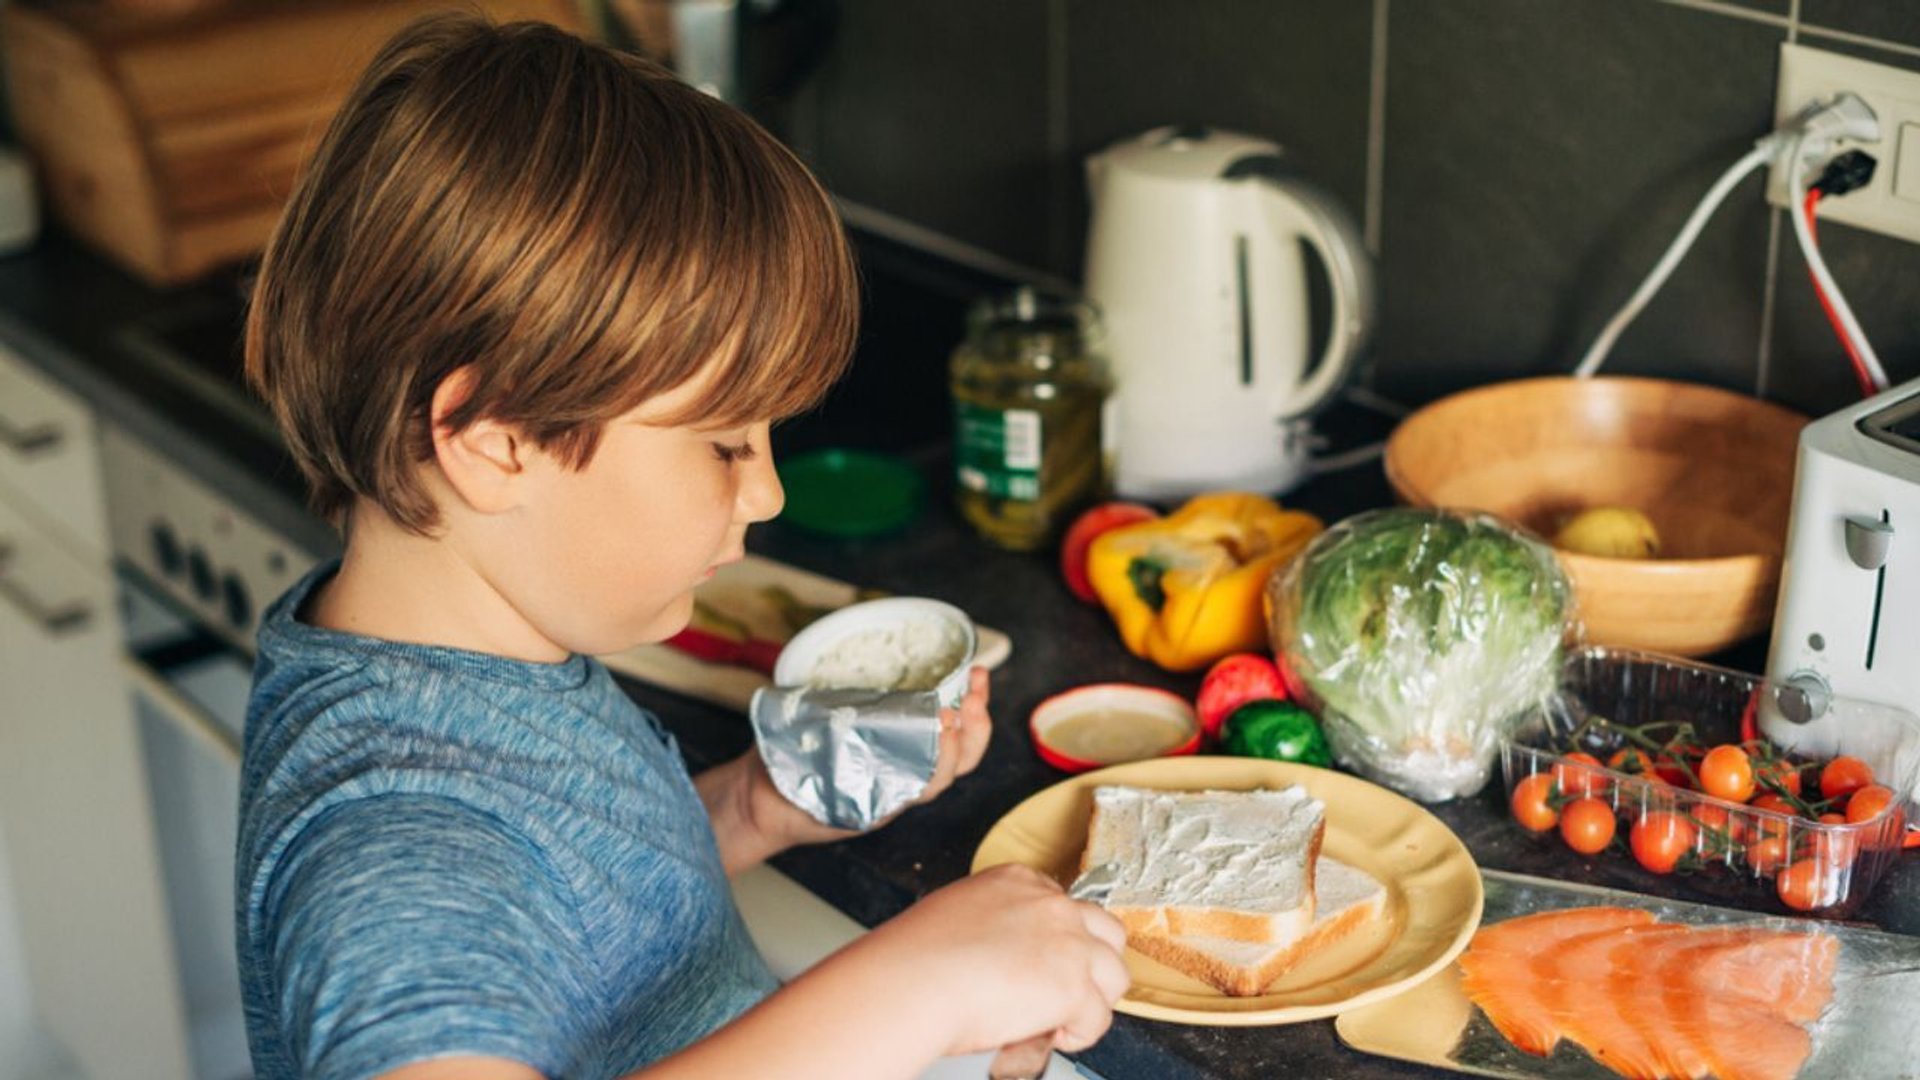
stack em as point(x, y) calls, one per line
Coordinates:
point(1614, 532)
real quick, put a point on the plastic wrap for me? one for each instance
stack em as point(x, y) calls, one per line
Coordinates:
point(1423, 636)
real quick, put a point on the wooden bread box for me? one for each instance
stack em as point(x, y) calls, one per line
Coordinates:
point(168, 135)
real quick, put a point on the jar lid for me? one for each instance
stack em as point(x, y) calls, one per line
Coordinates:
point(1090, 727)
point(849, 493)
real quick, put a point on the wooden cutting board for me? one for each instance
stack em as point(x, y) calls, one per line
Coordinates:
point(771, 600)
point(1865, 1034)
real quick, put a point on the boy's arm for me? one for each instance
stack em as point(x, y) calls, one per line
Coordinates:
point(752, 821)
point(992, 959)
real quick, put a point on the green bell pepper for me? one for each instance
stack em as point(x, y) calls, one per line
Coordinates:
point(1277, 730)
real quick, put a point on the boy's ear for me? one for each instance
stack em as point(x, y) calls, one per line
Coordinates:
point(483, 461)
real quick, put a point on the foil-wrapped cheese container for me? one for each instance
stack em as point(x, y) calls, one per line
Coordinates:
point(850, 732)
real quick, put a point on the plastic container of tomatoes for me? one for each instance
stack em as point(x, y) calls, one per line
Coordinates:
point(1698, 775)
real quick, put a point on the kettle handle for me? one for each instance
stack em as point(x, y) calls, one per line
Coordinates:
point(1300, 209)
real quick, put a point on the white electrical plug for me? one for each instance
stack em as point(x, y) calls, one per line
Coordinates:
point(1819, 128)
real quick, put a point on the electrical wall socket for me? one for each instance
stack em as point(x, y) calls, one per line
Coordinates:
point(1890, 203)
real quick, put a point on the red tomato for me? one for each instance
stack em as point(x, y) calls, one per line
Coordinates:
point(1587, 825)
point(1232, 682)
point(1844, 776)
point(1296, 686)
point(1531, 805)
point(1660, 839)
point(1777, 775)
point(1632, 761)
point(1776, 804)
point(1727, 773)
point(1766, 854)
point(1866, 804)
point(1081, 534)
point(1571, 778)
point(1670, 770)
point(1810, 884)
point(1709, 816)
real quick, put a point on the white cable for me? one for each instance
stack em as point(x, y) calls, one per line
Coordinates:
point(1762, 153)
point(1346, 459)
point(1803, 232)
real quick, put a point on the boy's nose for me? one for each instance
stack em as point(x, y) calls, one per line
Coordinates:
point(761, 496)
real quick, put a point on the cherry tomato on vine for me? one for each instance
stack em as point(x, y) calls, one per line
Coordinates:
point(1809, 884)
point(1866, 803)
point(1777, 774)
point(1710, 817)
point(1660, 839)
point(1578, 782)
point(1532, 807)
point(1727, 773)
point(1766, 854)
point(1777, 805)
point(1631, 760)
point(1672, 767)
point(1844, 776)
point(1587, 825)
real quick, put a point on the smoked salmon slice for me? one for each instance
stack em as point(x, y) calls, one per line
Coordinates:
point(1579, 991)
point(1742, 1031)
point(1653, 1000)
point(1497, 970)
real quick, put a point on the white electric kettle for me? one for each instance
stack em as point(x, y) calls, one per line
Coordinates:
point(1195, 259)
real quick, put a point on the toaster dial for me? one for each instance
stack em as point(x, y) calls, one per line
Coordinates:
point(1805, 697)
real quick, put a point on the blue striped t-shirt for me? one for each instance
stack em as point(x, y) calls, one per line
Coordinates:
point(444, 852)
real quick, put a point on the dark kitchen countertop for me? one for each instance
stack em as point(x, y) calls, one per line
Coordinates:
point(71, 313)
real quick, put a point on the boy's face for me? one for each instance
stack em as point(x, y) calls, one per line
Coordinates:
point(613, 551)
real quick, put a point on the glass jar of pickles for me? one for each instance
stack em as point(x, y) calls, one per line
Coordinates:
point(1029, 386)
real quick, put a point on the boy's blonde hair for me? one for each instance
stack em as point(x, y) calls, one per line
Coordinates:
point(582, 228)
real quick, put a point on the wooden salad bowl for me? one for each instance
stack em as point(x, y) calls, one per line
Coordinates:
point(1711, 468)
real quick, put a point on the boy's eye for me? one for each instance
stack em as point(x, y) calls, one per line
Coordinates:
point(731, 453)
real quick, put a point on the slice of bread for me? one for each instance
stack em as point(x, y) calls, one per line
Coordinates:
point(1237, 865)
point(1347, 899)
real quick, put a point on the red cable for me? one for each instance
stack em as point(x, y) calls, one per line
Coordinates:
point(1867, 389)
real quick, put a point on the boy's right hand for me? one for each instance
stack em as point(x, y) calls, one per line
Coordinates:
point(1010, 956)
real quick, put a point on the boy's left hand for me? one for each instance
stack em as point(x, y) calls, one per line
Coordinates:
point(773, 824)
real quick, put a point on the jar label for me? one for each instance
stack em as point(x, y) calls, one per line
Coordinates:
point(998, 451)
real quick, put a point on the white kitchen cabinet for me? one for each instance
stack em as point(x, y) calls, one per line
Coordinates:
point(87, 892)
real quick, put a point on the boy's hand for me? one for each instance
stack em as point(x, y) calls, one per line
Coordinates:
point(753, 821)
point(1008, 956)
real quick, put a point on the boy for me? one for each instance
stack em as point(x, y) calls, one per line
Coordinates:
point(525, 324)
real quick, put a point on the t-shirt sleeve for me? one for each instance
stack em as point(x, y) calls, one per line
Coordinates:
point(413, 926)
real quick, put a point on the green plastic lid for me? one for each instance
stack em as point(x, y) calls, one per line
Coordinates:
point(849, 492)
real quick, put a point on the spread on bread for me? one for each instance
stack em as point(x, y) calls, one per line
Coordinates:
point(1226, 886)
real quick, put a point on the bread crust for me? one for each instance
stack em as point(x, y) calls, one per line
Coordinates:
point(1236, 980)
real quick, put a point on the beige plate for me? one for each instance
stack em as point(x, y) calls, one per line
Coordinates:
point(1433, 887)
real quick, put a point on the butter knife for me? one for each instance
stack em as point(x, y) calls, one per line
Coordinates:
point(1028, 1058)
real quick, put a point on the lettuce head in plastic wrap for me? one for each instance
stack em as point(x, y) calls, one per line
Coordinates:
point(1425, 635)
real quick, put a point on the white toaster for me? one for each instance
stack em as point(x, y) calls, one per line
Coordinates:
point(1848, 621)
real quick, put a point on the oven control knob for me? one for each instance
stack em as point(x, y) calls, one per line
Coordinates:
point(200, 574)
point(1805, 697)
point(165, 545)
point(238, 602)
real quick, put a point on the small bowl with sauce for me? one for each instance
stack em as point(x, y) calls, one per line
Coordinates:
point(1091, 727)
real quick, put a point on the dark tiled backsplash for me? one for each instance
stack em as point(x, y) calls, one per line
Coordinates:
point(1533, 159)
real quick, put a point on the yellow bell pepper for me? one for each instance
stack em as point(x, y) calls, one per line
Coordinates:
point(1187, 589)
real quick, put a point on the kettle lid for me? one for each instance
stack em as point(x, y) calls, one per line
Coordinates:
point(1185, 152)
